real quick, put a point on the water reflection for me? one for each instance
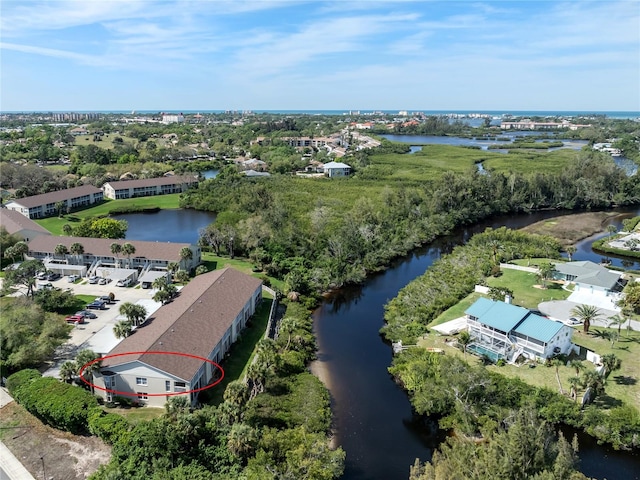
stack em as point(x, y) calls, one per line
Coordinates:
point(372, 415)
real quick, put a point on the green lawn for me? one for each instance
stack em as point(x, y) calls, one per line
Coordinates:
point(137, 415)
point(214, 262)
point(526, 290)
point(525, 293)
point(106, 142)
point(54, 224)
point(242, 351)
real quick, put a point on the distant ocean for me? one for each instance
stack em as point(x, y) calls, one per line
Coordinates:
point(493, 113)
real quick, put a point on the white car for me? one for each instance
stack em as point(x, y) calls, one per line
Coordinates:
point(103, 281)
point(123, 283)
point(93, 279)
point(72, 278)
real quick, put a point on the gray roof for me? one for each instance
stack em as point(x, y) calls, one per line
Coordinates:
point(151, 182)
point(194, 323)
point(57, 196)
point(336, 165)
point(589, 273)
point(102, 247)
point(15, 222)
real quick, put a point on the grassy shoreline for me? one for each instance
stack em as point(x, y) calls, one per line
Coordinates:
point(163, 202)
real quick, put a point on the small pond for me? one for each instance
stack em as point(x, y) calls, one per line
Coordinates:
point(180, 225)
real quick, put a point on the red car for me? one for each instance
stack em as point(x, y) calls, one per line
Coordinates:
point(74, 319)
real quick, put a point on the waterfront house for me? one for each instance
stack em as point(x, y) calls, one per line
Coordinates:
point(45, 205)
point(336, 169)
point(17, 224)
point(149, 186)
point(589, 277)
point(203, 321)
point(502, 330)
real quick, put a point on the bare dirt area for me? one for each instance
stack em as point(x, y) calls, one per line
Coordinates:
point(66, 456)
point(569, 229)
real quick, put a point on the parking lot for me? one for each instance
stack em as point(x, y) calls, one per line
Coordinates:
point(97, 334)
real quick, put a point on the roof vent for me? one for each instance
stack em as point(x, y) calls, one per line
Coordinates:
point(160, 343)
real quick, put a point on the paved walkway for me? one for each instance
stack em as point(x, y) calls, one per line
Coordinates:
point(10, 466)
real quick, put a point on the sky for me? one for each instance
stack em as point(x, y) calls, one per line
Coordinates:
point(164, 55)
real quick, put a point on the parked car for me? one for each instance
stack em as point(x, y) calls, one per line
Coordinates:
point(86, 314)
point(97, 305)
point(574, 321)
point(72, 278)
point(123, 283)
point(104, 298)
point(45, 286)
point(51, 276)
point(42, 276)
point(74, 319)
point(103, 281)
point(93, 279)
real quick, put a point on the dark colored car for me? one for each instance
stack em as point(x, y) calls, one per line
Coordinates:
point(97, 305)
point(86, 314)
point(53, 276)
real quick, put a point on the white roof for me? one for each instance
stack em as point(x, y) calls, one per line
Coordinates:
point(336, 165)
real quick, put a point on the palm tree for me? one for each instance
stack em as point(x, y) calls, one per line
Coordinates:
point(464, 339)
point(617, 320)
point(122, 329)
point(594, 381)
point(83, 359)
point(495, 247)
point(557, 363)
point(611, 362)
point(173, 267)
point(116, 248)
point(242, 440)
point(76, 249)
point(578, 366)
point(545, 272)
point(135, 313)
point(571, 249)
point(288, 325)
point(185, 255)
point(61, 250)
point(20, 249)
point(128, 250)
point(586, 314)
point(67, 229)
point(612, 229)
point(236, 393)
point(68, 370)
point(574, 382)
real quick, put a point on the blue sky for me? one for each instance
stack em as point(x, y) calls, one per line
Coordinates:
point(302, 55)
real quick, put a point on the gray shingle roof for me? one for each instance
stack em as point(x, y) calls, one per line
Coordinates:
point(15, 222)
point(151, 182)
point(102, 247)
point(57, 196)
point(194, 323)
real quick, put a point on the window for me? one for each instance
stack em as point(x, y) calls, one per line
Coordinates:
point(141, 381)
point(180, 386)
point(142, 395)
point(167, 385)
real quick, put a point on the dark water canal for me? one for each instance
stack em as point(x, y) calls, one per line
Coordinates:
point(373, 417)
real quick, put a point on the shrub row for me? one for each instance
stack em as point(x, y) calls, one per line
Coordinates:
point(58, 404)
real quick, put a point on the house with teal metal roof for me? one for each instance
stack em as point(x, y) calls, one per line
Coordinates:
point(502, 330)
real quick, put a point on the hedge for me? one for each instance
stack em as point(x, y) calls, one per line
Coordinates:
point(55, 403)
point(108, 426)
